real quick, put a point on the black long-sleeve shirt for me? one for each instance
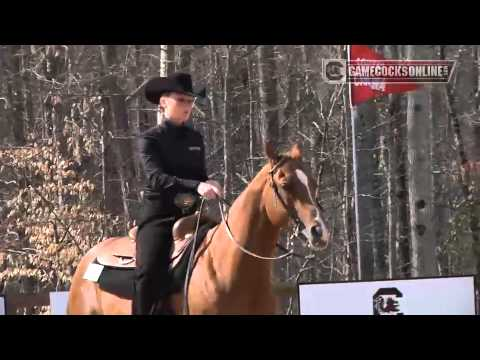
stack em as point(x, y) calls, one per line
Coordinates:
point(173, 159)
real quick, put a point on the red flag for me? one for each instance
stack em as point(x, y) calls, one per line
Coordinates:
point(364, 92)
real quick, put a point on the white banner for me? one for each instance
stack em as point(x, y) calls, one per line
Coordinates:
point(58, 302)
point(2, 306)
point(432, 296)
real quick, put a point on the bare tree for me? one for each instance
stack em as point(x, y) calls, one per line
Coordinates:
point(113, 193)
point(4, 130)
point(228, 164)
point(251, 111)
point(167, 59)
point(364, 118)
point(268, 92)
point(440, 150)
point(184, 62)
point(15, 90)
point(27, 80)
point(460, 106)
point(347, 203)
point(420, 181)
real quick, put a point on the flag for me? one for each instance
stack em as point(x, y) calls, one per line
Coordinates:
point(366, 91)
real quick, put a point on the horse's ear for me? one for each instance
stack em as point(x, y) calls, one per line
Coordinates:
point(296, 152)
point(271, 152)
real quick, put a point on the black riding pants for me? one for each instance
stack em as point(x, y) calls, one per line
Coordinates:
point(153, 246)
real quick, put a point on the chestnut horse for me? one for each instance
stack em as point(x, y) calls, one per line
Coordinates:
point(228, 276)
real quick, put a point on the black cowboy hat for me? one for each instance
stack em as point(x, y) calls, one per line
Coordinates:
point(177, 82)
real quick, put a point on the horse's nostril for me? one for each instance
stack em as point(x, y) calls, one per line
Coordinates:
point(316, 231)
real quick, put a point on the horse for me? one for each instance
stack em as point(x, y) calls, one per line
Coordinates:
point(233, 265)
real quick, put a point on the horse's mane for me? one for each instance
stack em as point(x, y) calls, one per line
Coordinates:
point(259, 179)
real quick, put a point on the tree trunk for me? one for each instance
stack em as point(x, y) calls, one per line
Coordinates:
point(111, 179)
point(55, 57)
point(441, 180)
point(228, 163)
point(27, 77)
point(167, 59)
point(419, 136)
point(4, 129)
point(292, 99)
point(364, 117)
point(392, 200)
point(268, 93)
point(458, 105)
point(213, 144)
point(55, 67)
point(251, 114)
point(476, 123)
point(122, 142)
point(348, 270)
point(396, 205)
point(59, 142)
point(402, 225)
point(379, 186)
point(16, 96)
point(378, 211)
point(141, 120)
point(185, 59)
point(167, 65)
point(465, 86)
point(308, 102)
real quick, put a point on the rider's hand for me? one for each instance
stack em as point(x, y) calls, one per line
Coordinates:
point(217, 185)
point(208, 191)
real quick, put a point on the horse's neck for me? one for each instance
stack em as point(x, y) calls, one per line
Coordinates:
point(251, 229)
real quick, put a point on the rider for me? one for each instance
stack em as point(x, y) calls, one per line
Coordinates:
point(173, 158)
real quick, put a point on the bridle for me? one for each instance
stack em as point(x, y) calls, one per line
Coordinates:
point(291, 214)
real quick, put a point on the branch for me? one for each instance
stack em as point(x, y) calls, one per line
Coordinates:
point(142, 109)
point(305, 136)
point(12, 232)
point(317, 127)
point(334, 102)
point(215, 151)
point(245, 181)
point(52, 207)
point(300, 272)
point(199, 111)
point(136, 91)
point(248, 53)
point(6, 103)
point(62, 244)
point(8, 182)
point(131, 137)
point(19, 252)
point(15, 147)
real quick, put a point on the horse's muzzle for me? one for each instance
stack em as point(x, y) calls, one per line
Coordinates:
point(316, 231)
point(318, 237)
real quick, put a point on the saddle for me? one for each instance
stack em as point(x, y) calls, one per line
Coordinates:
point(119, 252)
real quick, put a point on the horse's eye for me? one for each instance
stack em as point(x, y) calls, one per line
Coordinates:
point(287, 182)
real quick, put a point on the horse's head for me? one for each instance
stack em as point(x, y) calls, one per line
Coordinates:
point(292, 196)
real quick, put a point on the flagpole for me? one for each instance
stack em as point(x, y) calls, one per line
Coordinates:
point(353, 113)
